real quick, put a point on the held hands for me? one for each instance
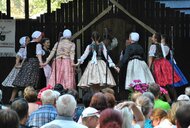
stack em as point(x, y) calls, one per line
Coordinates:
point(75, 65)
point(117, 69)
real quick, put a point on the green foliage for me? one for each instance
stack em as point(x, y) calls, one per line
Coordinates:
point(36, 7)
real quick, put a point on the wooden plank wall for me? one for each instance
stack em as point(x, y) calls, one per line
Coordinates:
point(75, 15)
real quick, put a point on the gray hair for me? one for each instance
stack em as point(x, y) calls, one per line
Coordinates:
point(48, 97)
point(66, 105)
point(127, 117)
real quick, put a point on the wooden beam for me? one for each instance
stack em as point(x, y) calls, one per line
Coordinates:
point(151, 30)
point(92, 22)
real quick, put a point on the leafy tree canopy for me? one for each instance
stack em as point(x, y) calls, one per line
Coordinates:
point(36, 7)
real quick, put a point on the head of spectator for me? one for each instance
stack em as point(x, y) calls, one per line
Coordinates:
point(60, 89)
point(183, 116)
point(30, 94)
point(155, 90)
point(183, 97)
point(108, 90)
point(87, 98)
point(90, 117)
point(74, 93)
point(150, 96)
point(145, 105)
point(110, 100)
point(187, 91)
point(110, 118)
point(99, 101)
point(66, 105)
point(48, 97)
point(127, 117)
point(174, 108)
point(21, 107)
point(9, 119)
point(135, 95)
point(157, 116)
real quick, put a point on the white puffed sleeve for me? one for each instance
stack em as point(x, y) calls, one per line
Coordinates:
point(152, 50)
point(39, 50)
point(22, 53)
point(85, 54)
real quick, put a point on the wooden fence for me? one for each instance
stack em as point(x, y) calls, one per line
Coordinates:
point(79, 13)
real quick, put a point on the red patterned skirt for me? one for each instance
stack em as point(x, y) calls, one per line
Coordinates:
point(162, 71)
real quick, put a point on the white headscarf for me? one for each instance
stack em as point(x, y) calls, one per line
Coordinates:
point(36, 34)
point(134, 36)
point(67, 33)
point(22, 41)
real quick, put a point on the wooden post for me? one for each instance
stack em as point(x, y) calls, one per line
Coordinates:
point(26, 9)
point(48, 6)
point(9, 8)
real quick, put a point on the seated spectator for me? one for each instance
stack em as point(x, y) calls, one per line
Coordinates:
point(146, 107)
point(46, 113)
point(150, 96)
point(87, 98)
point(110, 99)
point(110, 118)
point(90, 117)
point(9, 119)
point(172, 112)
point(135, 95)
point(158, 103)
point(65, 106)
point(131, 114)
point(21, 107)
point(183, 116)
point(99, 101)
point(60, 89)
point(79, 109)
point(187, 91)
point(108, 90)
point(159, 119)
point(30, 94)
point(183, 97)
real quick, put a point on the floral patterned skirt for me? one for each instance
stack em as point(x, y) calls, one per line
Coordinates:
point(29, 74)
point(8, 82)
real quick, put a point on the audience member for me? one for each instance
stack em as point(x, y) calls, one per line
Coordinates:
point(46, 112)
point(30, 94)
point(110, 118)
point(183, 116)
point(99, 101)
point(158, 103)
point(183, 97)
point(9, 119)
point(21, 107)
point(1, 104)
point(135, 95)
point(87, 98)
point(110, 100)
point(65, 106)
point(90, 117)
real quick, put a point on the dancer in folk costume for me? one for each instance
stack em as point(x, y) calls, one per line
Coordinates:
point(62, 67)
point(47, 68)
point(167, 53)
point(134, 56)
point(29, 72)
point(161, 67)
point(94, 75)
point(20, 57)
